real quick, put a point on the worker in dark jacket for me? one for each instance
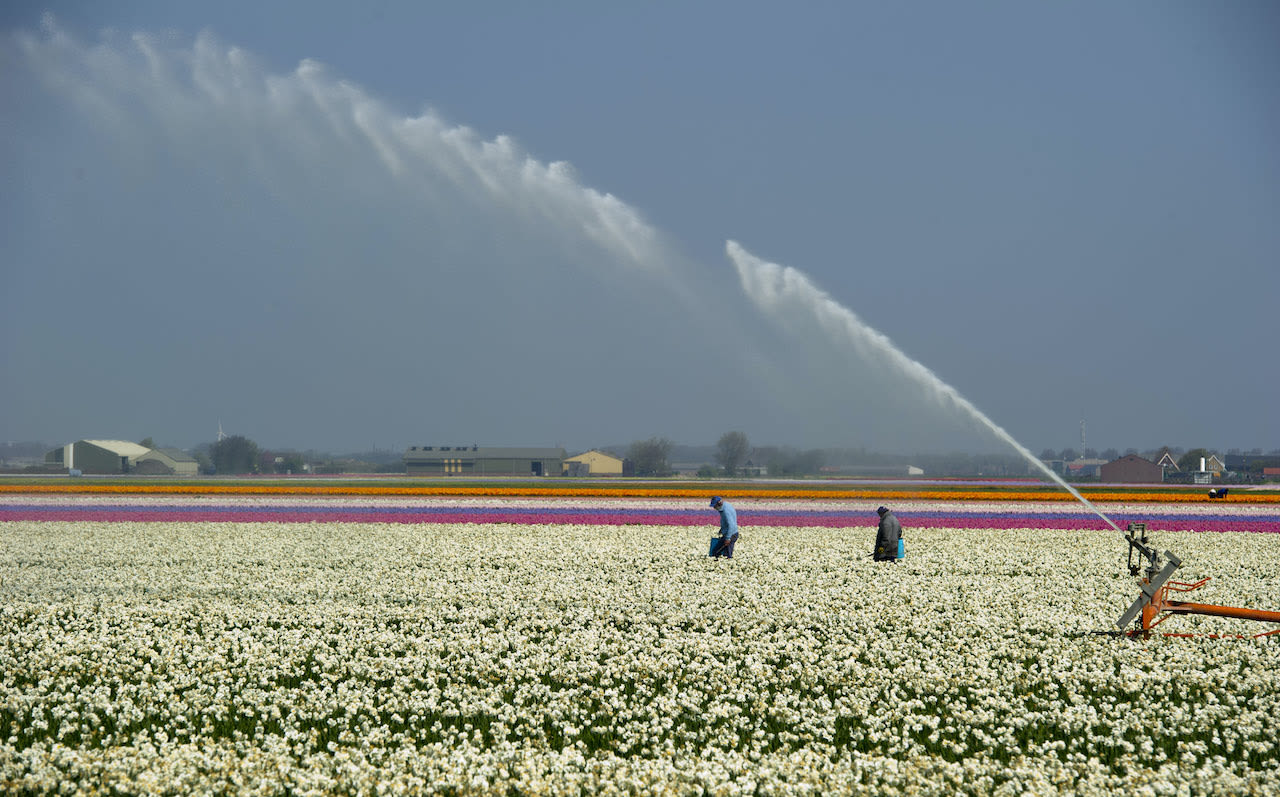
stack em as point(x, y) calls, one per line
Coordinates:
point(723, 547)
point(887, 536)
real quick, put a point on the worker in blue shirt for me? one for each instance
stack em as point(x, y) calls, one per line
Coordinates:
point(723, 547)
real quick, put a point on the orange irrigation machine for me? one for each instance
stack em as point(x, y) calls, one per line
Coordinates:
point(1154, 605)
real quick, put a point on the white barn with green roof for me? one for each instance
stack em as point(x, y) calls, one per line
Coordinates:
point(97, 456)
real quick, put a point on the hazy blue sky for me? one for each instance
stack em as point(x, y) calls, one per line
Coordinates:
point(339, 225)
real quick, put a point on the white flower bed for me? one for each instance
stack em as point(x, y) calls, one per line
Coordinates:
point(262, 658)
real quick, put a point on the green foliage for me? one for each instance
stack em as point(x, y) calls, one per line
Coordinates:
point(1190, 461)
point(786, 461)
point(203, 461)
point(290, 463)
point(652, 456)
point(235, 454)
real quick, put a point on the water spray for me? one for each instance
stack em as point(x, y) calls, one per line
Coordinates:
point(782, 290)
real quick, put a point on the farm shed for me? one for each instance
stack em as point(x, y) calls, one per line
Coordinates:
point(167, 462)
point(483, 461)
point(1132, 469)
point(97, 456)
point(599, 463)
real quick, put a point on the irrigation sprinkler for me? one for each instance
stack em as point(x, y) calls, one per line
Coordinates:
point(1154, 606)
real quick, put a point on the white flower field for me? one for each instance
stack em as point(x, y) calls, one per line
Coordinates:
point(322, 658)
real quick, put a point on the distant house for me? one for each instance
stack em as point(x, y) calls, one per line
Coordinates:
point(1132, 469)
point(167, 462)
point(1165, 460)
point(1208, 468)
point(97, 456)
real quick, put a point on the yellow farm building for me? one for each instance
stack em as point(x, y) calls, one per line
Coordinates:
point(597, 463)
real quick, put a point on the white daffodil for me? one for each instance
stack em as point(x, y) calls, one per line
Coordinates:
point(333, 657)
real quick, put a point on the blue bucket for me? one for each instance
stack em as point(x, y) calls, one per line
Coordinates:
point(902, 548)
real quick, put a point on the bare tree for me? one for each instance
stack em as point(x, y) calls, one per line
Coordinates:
point(650, 456)
point(732, 451)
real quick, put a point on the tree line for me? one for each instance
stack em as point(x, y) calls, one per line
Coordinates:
point(731, 456)
point(1186, 459)
point(733, 451)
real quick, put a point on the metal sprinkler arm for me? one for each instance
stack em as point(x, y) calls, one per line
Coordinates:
point(1138, 541)
point(1150, 586)
point(1154, 604)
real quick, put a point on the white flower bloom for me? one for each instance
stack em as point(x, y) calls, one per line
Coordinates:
point(561, 659)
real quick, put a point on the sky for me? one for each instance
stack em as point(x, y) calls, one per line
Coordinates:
point(340, 226)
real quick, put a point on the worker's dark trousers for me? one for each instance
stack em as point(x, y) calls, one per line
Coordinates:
point(725, 548)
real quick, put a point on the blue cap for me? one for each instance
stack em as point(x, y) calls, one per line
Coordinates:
point(715, 499)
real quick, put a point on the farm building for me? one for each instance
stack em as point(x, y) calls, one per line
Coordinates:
point(873, 471)
point(97, 456)
point(167, 462)
point(479, 461)
point(598, 463)
point(1132, 469)
point(1084, 468)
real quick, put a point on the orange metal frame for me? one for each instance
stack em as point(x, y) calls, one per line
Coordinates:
point(1161, 607)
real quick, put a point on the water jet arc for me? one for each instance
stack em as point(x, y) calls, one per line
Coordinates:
point(782, 291)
